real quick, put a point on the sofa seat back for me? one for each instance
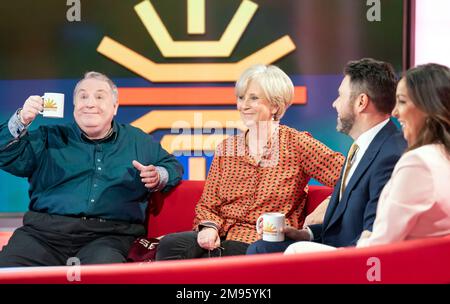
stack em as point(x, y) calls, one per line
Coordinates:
point(174, 211)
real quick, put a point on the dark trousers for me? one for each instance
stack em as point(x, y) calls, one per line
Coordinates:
point(269, 247)
point(50, 240)
point(183, 245)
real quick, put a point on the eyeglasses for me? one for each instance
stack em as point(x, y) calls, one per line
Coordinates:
point(211, 253)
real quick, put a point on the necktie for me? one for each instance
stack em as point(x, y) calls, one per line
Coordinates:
point(348, 165)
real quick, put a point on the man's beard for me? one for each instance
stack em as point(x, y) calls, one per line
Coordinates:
point(345, 124)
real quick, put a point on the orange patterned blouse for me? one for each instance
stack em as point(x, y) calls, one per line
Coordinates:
point(238, 189)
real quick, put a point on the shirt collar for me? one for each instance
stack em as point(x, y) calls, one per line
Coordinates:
point(110, 137)
point(364, 140)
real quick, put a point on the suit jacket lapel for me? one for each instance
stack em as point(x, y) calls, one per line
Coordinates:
point(363, 165)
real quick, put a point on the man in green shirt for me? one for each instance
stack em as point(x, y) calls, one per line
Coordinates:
point(89, 180)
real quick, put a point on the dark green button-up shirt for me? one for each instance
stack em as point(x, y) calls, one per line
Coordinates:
point(74, 176)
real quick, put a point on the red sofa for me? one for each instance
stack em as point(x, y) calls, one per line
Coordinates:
point(419, 261)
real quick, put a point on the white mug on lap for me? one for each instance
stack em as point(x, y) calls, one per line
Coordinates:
point(53, 105)
point(273, 222)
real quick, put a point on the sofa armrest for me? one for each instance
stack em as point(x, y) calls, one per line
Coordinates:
point(174, 211)
point(316, 195)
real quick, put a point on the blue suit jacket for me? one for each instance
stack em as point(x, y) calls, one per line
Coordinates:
point(345, 220)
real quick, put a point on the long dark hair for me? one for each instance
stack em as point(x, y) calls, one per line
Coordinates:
point(429, 88)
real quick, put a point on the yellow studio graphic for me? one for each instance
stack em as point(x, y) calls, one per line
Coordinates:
point(193, 72)
point(182, 138)
point(196, 16)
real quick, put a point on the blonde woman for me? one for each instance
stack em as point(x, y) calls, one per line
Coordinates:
point(265, 169)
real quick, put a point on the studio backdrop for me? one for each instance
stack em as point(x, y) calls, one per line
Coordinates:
point(175, 63)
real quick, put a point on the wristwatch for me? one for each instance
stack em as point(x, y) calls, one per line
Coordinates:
point(19, 119)
point(15, 125)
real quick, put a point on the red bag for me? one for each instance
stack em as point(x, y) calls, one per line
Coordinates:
point(143, 250)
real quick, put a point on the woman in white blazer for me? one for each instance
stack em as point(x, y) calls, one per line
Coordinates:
point(415, 203)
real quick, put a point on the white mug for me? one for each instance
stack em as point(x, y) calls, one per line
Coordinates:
point(273, 222)
point(53, 105)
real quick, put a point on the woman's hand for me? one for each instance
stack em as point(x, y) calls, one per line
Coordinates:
point(259, 227)
point(316, 217)
point(365, 234)
point(208, 238)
